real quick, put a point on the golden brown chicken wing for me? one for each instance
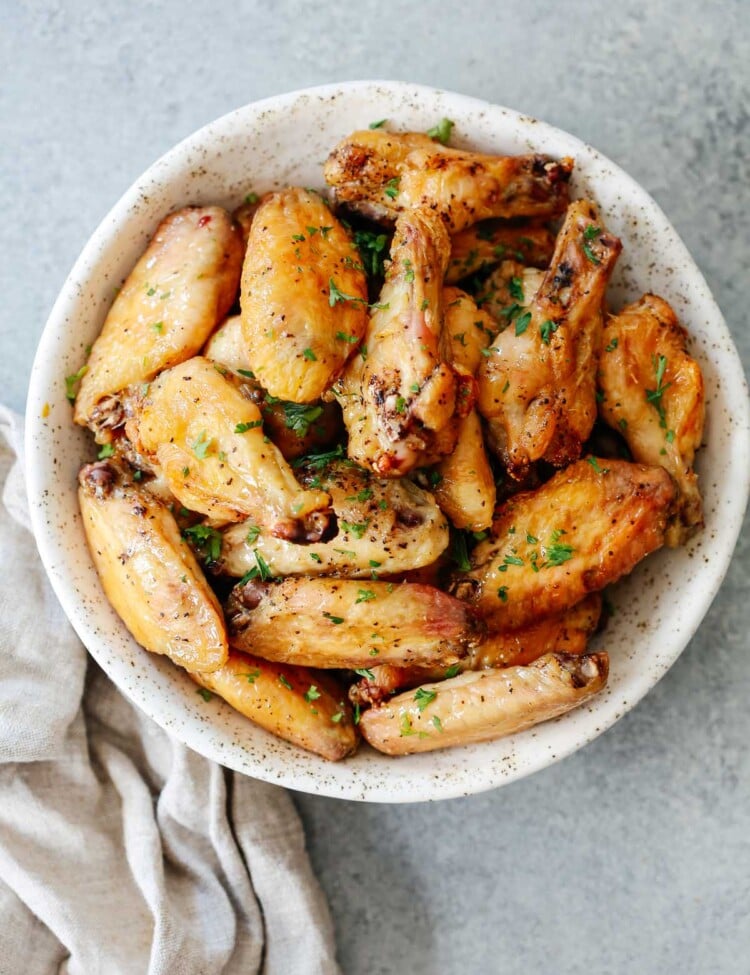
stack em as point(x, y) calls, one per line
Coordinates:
point(208, 441)
point(148, 572)
point(484, 705)
point(398, 394)
point(653, 394)
point(294, 703)
point(384, 527)
point(382, 174)
point(349, 623)
point(304, 296)
point(485, 244)
point(181, 288)
point(537, 389)
point(588, 525)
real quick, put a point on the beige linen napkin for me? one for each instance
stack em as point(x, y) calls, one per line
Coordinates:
point(121, 850)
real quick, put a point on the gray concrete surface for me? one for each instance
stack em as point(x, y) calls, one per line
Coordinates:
point(634, 855)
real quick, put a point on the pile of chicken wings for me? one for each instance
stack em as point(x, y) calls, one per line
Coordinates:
point(368, 457)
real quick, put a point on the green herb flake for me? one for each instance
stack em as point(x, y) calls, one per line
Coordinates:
point(391, 187)
point(591, 232)
point(107, 450)
point(252, 535)
point(204, 693)
point(522, 323)
point(310, 355)
point(201, 446)
point(502, 593)
point(400, 404)
point(343, 337)
point(515, 288)
point(284, 682)
point(438, 723)
point(405, 726)
point(70, 383)
point(251, 198)
point(442, 131)
point(251, 676)
point(356, 528)
point(378, 125)
point(590, 254)
point(597, 467)
point(452, 671)
point(315, 557)
point(611, 346)
point(547, 330)
point(244, 427)
point(336, 620)
point(337, 717)
point(364, 672)
point(365, 596)
point(247, 373)
point(207, 539)
point(423, 697)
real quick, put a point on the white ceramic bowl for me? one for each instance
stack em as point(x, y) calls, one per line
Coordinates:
point(285, 140)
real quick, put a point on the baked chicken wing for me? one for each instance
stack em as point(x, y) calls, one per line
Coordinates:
point(148, 572)
point(653, 394)
point(181, 288)
point(398, 394)
point(585, 528)
point(537, 388)
point(349, 623)
point(294, 703)
point(484, 705)
point(384, 527)
point(382, 174)
point(208, 441)
point(304, 296)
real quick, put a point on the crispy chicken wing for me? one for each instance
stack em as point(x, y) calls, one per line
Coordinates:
point(208, 441)
point(653, 394)
point(385, 526)
point(567, 632)
point(483, 705)
point(383, 174)
point(465, 485)
point(588, 525)
point(349, 623)
point(295, 428)
point(537, 389)
point(398, 394)
point(304, 296)
point(509, 292)
point(181, 288)
point(147, 571)
point(294, 703)
point(488, 243)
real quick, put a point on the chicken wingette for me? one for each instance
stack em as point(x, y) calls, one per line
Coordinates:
point(384, 527)
point(148, 572)
point(482, 245)
point(349, 623)
point(181, 288)
point(483, 705)
point(653, 394)
point(585, 528)
point(538, 387)
point(398, 394)
point(383, 174)
point(294, 703)
point(304, 296)
point(208, 441)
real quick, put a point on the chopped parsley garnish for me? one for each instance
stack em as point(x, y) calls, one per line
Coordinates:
point(378, 125)
point(408, 271)
point(260, 570)
point(423, 697)
point(343, 337)
point(365, 596)
point(442, 131)
point(460, 337)
point(547, 329)
point(372, 249)
point(298, 417)
point(622, 423)
point(252, 535)
point(485, 231)
point(522, 323)
point(391, 187)
point(315, 557)
point(502, 592)
point(207, 539)
point(201, 446)
point(364, 495)
point(558, 554)
point(459, 552)
point(319, 461)
point(312, 693)
point(285, 682)
point(405, 726)
point(364, 672)
point(298, 238)
point(334, 619)
point(244, 427)
point(515, 287)
point(251, 198)
point(437, 722)
point(251, 676)
point(70, 383)
point(310, 355)
point(247, 373)
point(158, 327)
point(653, 396)
point(611, 346)
point(400, 404)
point(669, 436)
point(204, 693)
point(337, 717)
point(591, 232)
point(107, 451)
point(590, 254)
point(452, 671)
point(356, 528)
point(595, 464)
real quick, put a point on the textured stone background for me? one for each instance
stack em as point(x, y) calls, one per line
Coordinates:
point(633, 855)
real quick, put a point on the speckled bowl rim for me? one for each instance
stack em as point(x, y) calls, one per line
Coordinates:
point(168, 697)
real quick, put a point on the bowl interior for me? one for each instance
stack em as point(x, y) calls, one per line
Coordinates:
point(285, 140)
